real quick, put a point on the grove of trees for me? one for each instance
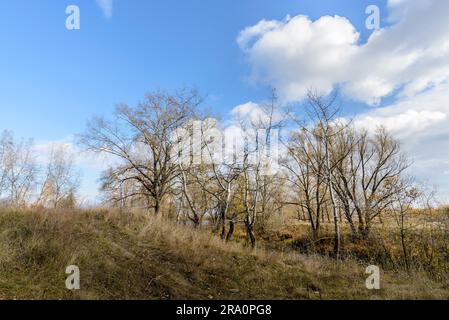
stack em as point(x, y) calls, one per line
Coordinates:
point(327, 169)
point(26, 180)
point(169, 158)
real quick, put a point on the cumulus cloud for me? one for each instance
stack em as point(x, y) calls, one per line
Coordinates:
point(106, 7)
point(256, 114)
point(405, 123)
point(406, 61)
point(249, 112)
point(296, 54)
point(403, 59)
point(426, 114)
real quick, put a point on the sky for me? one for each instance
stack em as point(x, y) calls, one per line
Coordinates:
point(52, 80)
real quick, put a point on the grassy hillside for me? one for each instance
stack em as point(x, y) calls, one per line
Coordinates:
point(135, 256)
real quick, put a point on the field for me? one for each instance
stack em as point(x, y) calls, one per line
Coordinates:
point(134, 255)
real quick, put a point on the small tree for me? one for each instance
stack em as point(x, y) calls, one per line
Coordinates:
point(401, 208)
point(18, 171)
point(61, 181)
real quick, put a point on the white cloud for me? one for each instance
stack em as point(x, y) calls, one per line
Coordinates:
point(406, 58)
point(106, 7)
point(425, 114)
point(253, 113)
point(249, 111)
point(407, 61)
point(296, 54)
point(408, 122)
point(81, 158)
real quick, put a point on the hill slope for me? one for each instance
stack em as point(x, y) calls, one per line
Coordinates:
point(134, 256)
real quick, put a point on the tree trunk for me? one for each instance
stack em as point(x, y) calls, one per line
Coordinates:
point(337, 243)
point(230, 231)
point(196, 222)
point(348, 215)
point(157, 207)
point(353, 229)
point(223, 225)
point(365, 231)
point(361, 225)
point(404, 246)
point(251, 236)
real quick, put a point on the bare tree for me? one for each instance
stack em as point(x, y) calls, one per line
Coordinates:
point(224, 177)
point(18, 170)
point(61, 180)
point(305, 170)
point(194, 194)
point(325, 112)
point(141, 139)
point(314, 161)
point(257, 169)
point(5, 143)
point(404, 200)
point(369, 177)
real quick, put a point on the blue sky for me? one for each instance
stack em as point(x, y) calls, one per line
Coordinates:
point(53, 80)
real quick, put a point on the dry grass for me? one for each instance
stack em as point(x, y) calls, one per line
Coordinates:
point(426, 240)
point(135, 256)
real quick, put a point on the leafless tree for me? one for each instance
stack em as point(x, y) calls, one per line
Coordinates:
point(5, 142)
point(61, 180)
point(222, 189)
point(314, 160)
point(305, 170)
point(18, 170)
point(404, 201)
point(141, 139)
point(257, 169)
point(370, 175)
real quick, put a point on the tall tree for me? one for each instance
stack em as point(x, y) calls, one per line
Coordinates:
point(141, 139)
